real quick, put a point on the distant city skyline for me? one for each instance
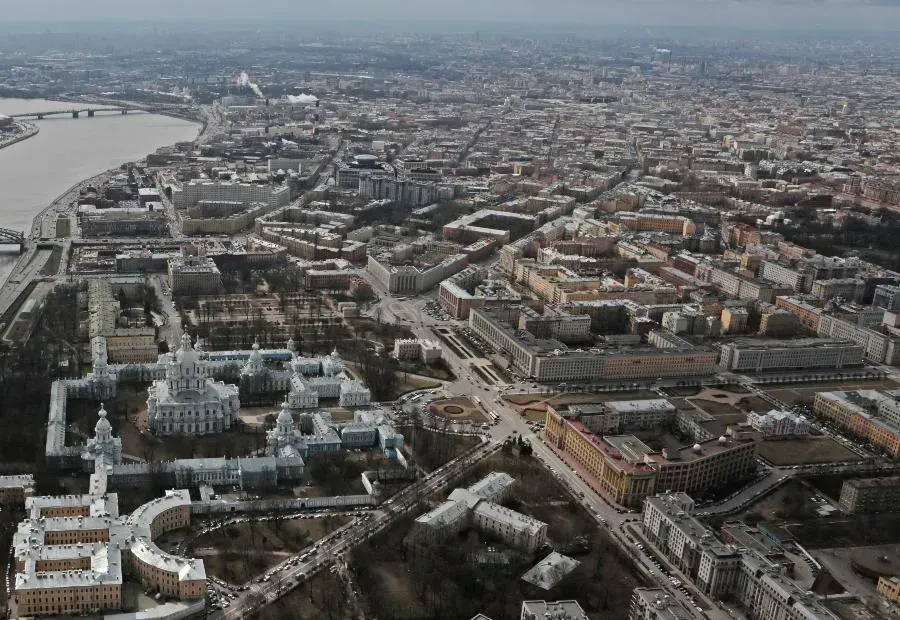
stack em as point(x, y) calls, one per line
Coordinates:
point(776, 14)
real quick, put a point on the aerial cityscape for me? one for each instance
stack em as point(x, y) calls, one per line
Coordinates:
point(374, 320)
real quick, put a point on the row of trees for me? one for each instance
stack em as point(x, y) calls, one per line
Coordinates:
point(27, 371)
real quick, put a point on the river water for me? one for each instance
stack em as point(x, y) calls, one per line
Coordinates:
point(37, 170)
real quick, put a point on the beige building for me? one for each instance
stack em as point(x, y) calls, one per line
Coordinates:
point(869, 414)
point(73, 553)
point(627, 470)
point(734, 320)
point(194, 275)
point(889, 588)
point(15, 489)
point(672, 224)
point(127, 339)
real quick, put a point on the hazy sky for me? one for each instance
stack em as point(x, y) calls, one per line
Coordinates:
point(880, 14)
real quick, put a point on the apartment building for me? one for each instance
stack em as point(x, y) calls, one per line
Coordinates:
point(411, 279)
point(889, 588)
point(735, 285)
point(808, 313)
point(628, 470)
point(548, 359)
point(870, 495)
point(559, 284)
point(775, 355)
point(194, 275)
point(478, 506)
point(672, 224)
point(470, 288)
point(764, 588)
point(657, 604)
point(504, 226)
point(555, 322)
point(778, 423)
point(860, 325)
point(667, 521)
point(209, 218)
point(801, 276)
point(784, 276)
point(122, 221)
point(552, 610)
point(141, 261)
point(428, 351)
point(416, 192)
point(851, 289)
point(616, 416)
point(887, 296)
point(734, 320)
point(188, 194)
point(880, 347)
point(126, 340)
point(874, 416)
point(718, 570)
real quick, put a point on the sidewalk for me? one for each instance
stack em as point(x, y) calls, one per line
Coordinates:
point(586, 477)
point(711, 609)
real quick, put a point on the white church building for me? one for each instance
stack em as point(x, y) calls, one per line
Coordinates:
point(188, 401)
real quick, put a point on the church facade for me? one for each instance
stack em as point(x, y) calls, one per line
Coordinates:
point(188, 401)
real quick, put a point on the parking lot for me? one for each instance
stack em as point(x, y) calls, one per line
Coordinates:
point(434, 310)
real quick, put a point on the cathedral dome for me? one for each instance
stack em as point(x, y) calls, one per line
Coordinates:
point(285, 417)
point(186, 354)
point(103, 428)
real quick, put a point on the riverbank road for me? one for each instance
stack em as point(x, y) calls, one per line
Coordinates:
point(27, 269)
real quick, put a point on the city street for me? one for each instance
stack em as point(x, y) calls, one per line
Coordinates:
point(328, 551)
point(511, 423)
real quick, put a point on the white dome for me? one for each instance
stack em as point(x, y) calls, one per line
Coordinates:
point(103, 427)
point(723, 439)
point(186, 354)
point(697, 447)
point(285, 416)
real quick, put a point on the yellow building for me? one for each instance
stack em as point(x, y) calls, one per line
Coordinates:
point(869, 414)
point(626, 482)
point(73, 553)
point(889, 588)
point(809, 315)
point(652, 363)
point(628, 470)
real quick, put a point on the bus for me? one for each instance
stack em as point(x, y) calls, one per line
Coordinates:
point(494, 416)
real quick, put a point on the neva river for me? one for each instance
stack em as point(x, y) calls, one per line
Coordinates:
point(37, 170)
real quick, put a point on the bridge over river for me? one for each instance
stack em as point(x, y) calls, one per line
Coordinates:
point(76, 112)
point(12, 237)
